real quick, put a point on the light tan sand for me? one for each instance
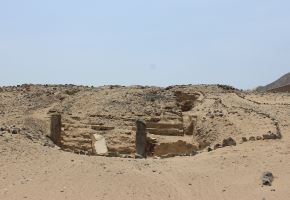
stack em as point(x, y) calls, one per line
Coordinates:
point(29, 171)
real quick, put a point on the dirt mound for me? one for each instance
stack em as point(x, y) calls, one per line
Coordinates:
point(198, 116)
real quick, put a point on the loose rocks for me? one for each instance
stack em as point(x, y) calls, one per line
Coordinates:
point(244, 139)
point(270, 136)
point(229, 142)
point(259, 138)
point(267, 178)
point(15, 130)
point(217, 146)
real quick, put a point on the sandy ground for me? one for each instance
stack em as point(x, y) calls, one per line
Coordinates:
point(31, 171)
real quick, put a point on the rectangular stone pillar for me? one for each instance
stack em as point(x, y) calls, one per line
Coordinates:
point(141, 139)
point(55, 129)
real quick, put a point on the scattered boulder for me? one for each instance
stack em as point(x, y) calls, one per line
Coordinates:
point(209, 149)
point(14, 130)
point(244, 139)
point(270, 136)
point(259, 138)
point(267, 178)
point(229, 142)
point(252, 138)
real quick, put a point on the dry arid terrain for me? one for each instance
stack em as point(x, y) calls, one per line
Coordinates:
point(204, 142)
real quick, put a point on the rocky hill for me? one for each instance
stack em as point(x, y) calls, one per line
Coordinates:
point(281, 82)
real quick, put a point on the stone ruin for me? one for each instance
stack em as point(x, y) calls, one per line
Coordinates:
point(141, 139)
point(161, 135)
point(55, 129)
point(145, 146)
point(176, 122)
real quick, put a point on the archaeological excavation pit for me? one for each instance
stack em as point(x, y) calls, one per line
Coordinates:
point(88, 142)
point(178, 121)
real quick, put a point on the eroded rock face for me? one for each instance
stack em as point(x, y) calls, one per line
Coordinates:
point(186, 101)
point(175, 148)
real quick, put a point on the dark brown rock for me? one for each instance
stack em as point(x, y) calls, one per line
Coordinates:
point(229, 142)
point(259, 138)
point(217, 146)
point(270, 136)
point(55, 129)
point(267, 178)
point(141, 139)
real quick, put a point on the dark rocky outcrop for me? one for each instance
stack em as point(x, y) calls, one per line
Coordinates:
point(283, 81)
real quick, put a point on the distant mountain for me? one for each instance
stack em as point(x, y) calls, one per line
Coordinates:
point(281, 82)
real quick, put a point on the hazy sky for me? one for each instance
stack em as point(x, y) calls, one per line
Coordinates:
point(243, 43)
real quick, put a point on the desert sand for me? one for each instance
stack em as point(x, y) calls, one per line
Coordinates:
point(33, 168)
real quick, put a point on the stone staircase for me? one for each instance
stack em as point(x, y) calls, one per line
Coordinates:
point(165, 128)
